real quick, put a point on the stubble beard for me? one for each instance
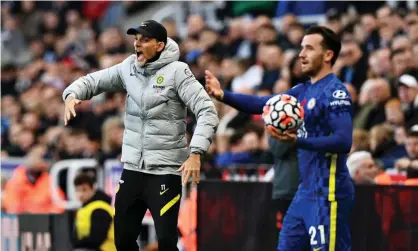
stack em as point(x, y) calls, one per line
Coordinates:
point(315, 69)
point(140, 64)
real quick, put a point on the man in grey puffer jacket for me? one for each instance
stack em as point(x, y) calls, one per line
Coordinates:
point(154, 152)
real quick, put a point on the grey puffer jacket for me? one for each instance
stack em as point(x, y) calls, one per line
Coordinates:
point(158, 96)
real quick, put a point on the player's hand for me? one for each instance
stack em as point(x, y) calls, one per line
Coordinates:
point(402, 164)
point(191, 168)
point(287, 136)
point(213, 86)
point(70, 103)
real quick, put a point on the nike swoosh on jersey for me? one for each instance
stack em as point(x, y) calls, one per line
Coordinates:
point(317, 249)
point(162, 192)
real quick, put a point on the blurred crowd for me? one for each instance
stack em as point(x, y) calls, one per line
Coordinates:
point(47, 45)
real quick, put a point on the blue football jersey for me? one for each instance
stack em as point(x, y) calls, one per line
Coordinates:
point(326, 192)
point(323, 171)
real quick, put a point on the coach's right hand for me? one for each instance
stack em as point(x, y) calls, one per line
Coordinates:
point(213, 86)
point(70, 103)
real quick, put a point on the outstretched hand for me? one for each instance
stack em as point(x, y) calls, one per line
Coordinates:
point(70, 104)
point(213, 86)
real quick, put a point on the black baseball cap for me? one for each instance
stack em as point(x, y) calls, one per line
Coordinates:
point(152, 29)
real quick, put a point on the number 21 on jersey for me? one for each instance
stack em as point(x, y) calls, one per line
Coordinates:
point(313, 233)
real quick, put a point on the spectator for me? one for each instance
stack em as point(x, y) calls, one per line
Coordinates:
point(94, 220)
point(248, 46)
point(400, 135)
point(370, 27)
point(28, 191)
point(410, 162)
point(112, 134)
point(13, 42)
point(266, 34)
point(361, 141)
point(362, 168)
point(209, 43)
point(8, 80)
point(408, 94)
point(31, 20)
point(374, 95)
point(245, 79)
point(384, 147)
point(195, 24)
point(355, 65)
point(240, 151)
point(402, 62)
point(393, 113)
point(271, 60)
point(380, 63)
point(172, 29)
point(294, 36)
point(22, 142)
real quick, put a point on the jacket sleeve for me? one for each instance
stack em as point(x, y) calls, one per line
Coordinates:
point(253, 104)
point(106, 80)
point(246, 103)
point(192, 93)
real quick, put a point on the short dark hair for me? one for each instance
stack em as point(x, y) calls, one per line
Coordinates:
point(84, 178)
point(330, 40)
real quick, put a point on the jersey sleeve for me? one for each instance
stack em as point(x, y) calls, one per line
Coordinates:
point(245, 103)
point(338, 110)
point(250, 103)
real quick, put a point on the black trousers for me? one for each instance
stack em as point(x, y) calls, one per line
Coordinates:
point(138, 192)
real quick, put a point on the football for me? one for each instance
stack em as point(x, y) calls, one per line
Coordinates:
point(283, 112)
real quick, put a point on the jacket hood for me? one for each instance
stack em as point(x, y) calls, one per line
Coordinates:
point(170, 54)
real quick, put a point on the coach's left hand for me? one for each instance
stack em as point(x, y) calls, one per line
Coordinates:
point(191, 167)
point(285, 137)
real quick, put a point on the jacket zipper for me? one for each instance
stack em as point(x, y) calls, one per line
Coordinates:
point(142, 115)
